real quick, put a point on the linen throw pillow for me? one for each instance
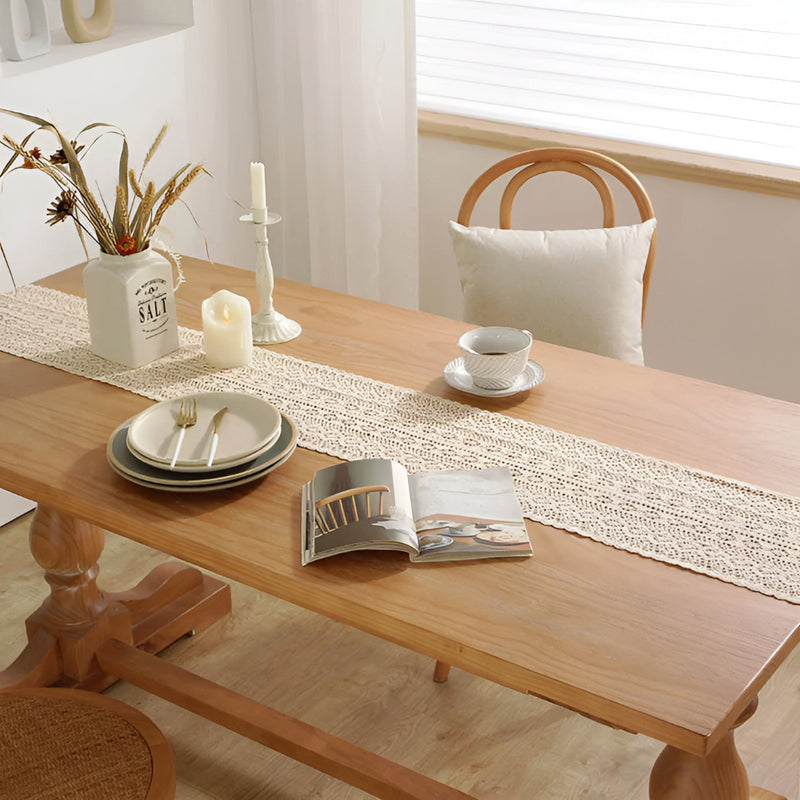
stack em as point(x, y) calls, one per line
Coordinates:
point(578, 288)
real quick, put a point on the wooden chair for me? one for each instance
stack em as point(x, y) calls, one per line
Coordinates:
point(584, 317)
point(69, 744)
point(349, 506)
point(584, 163)
point(564, 159)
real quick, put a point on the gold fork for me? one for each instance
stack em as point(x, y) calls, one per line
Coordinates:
point(187, 416)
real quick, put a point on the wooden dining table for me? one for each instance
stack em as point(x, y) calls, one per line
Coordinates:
point(626, 640)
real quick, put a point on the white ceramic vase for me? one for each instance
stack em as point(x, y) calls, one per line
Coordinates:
point(131, 305)
point(16, 46)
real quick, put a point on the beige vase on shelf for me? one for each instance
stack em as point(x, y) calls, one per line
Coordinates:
point(131, 306)
point(98, 25)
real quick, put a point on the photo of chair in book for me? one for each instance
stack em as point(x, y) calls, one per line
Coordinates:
point(352, 505)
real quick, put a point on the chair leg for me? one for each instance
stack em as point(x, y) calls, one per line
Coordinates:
point(441, 672)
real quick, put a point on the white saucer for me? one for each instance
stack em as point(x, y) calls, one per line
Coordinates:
point(457, 377)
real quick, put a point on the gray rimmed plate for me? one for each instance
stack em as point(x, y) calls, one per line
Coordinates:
point(124, 462)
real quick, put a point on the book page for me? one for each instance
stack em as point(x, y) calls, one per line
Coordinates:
point(463, 514)
point(359, 505)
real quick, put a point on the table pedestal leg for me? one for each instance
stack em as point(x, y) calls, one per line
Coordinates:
point(720, 775)
point(78, 617)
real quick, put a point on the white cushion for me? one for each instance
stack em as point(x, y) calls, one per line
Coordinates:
point(579, 288)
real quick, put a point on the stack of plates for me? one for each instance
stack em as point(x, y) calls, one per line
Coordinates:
point(254, 439)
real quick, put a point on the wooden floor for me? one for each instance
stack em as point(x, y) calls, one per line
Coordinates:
point(486, 740)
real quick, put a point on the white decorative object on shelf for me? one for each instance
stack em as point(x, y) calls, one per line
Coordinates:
point(14, 45)
point(269, 326)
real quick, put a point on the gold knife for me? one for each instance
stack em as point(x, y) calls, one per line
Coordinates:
point(215, 438)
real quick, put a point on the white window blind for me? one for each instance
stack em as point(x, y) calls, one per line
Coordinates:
point(717, 77)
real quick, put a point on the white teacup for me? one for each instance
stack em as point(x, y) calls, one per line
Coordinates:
point(495, 356)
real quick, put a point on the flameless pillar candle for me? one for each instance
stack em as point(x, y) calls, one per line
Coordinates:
point(227, 329)
point(258, 191)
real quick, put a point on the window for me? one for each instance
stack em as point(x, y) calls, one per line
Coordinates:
point(719, 77)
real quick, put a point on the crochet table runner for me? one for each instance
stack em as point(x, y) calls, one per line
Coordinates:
point(719, 527)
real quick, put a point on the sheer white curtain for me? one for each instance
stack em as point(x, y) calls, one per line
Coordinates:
point(336, 105)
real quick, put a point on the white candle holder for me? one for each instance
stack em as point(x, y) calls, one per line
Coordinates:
point(269, 326)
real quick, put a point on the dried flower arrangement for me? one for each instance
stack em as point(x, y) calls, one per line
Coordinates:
point(138, 206)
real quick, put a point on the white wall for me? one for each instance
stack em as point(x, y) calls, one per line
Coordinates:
point(219, 85)
point(724, 293)
point(198, 80)
point(73, 95)
point(723, 303)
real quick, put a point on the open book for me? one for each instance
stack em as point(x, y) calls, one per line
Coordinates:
point(375, 504)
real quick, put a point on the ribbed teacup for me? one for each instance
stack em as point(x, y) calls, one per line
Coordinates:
point(494, 356)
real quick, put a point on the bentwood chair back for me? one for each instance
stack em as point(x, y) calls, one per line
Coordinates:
point(484, 253)
point(349, 506)
point(555, 273)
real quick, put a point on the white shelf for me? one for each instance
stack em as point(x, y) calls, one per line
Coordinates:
point(64, 50)
point(135, 22)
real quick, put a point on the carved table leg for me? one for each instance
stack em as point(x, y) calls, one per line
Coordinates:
point(720, 775)
point(78, 617)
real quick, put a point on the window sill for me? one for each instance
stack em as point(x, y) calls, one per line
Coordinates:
point(730, 173)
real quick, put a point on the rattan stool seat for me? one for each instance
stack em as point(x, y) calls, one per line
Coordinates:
point(67, 744)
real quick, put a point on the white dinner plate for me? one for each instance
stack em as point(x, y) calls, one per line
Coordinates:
point(503, 536)
point(247, 428)
point(244, 459)
point(433, 541)
point(124, 462)
point(466, 531)
point(457, 376)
